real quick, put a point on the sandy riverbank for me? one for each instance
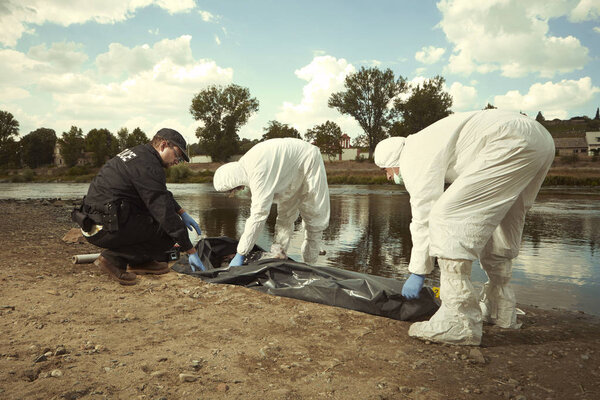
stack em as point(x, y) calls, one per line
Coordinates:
point(69, 332)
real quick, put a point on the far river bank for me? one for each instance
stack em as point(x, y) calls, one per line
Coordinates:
point(565, 171)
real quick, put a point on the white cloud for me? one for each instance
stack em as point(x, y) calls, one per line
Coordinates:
point(597, 29)
point(14, 93)
point(166, 89)
point(324, 76)
point(65, 83)
point(429, 54)
point(552, 99)
point(17, 69)
point(155, 91)
point(121, 59)
point(207, 16)
point(217, 40)
point(464, 98)
point(511, 36)
point(372, 63)
point(21, 16)
point(586, 10)
point(61, 56)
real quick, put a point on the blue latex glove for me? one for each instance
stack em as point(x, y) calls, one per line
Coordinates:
point(413, 286)
point(190, 223)
point(237, 261)
point(195, 263)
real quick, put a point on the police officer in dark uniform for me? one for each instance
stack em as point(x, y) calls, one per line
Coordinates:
point(129, 212)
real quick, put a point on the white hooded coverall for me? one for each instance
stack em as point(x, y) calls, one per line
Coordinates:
point(289, 172)
point(495, 162)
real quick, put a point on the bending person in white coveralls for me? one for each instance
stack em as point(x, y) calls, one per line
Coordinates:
point(288, 172)
point(495, 162)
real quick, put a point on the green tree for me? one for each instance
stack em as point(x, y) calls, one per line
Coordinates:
point(10, 154)
point(223, 111)
point(397, 129)
point(37, 147)
point(539, 117)
point(103, 144)
point(9, 126)
point(327, 137)
point(367, 98)
point(360, 142)
point(597, 117)
point(122, 135)
point(72, 145)
point(9, 130)
point(137, 137)
point(194, 149)
point(247, 144)
point(276, 129)
point(128, 140)
point(489, 107)
point(427, 104)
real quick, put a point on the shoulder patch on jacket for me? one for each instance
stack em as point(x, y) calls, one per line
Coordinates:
point(127, 155)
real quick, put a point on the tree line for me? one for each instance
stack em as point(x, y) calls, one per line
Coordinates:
point(36, 149)
point(381, 103)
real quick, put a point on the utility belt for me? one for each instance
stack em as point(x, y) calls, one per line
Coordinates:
point(108, 215)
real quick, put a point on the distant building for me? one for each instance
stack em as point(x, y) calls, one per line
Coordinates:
point(345, 141)
point(86, 158)
point(59, 161)
point(200, 159)
point(593, 143)
point(570, 146)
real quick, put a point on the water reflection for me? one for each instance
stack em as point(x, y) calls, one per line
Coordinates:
point(369, 232)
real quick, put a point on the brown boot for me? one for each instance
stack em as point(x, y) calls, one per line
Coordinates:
point(151, 267)
point(122, 276)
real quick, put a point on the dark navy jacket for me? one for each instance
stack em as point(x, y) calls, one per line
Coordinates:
point(137, 178)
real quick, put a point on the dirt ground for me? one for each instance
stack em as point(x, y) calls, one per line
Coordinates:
point(69, 332)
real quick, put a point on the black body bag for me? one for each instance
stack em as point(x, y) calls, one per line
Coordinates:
point(325, 285)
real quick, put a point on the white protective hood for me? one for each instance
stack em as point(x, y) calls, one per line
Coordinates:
point(387, 152)
point(229, 176)
point(285, 171)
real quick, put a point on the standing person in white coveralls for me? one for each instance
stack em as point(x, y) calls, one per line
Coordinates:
point(495, 162)
point(288, 172)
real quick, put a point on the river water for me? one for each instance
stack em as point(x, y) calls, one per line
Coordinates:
point(558, 266)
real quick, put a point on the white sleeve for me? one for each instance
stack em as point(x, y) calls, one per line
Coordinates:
point(259, 211)
point(425, 183)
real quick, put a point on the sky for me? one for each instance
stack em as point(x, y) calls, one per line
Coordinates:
point(138, 63)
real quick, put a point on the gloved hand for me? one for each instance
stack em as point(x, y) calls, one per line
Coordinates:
point(413, 286)
point(194, 260)
point(237, 261)
point(190, 223)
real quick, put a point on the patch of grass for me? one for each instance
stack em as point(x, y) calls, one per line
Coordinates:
point(182, 173)
point(560, 180)
point(357, 180)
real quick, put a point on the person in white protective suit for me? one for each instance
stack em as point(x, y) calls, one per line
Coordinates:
point(495, 162)
point(289, 172)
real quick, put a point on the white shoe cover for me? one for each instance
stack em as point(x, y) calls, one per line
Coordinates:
point(276, 251)
point(310, 251)
point(458, 320)
point(497, 297)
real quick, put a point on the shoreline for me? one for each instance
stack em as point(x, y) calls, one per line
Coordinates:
point(70, 332)
point(581, 173)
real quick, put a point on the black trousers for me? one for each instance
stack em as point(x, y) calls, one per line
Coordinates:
point(138, 240)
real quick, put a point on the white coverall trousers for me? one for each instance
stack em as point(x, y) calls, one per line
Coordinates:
point(481, 215)
point(311, 202)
